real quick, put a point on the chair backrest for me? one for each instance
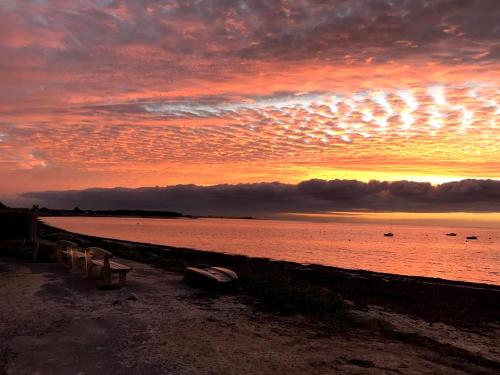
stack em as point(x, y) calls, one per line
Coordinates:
point(66, 245)
point(97, 253)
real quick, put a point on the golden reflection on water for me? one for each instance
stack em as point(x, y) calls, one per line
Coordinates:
point(462, 219)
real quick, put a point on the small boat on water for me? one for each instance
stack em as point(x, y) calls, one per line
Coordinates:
point(472, 237)
point(211, 277)
point(451, 234)
point(389, 234)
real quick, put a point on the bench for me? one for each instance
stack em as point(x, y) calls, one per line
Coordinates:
point(67, 253)
point(97, 257)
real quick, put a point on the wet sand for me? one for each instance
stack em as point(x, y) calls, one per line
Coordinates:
point(55, 322)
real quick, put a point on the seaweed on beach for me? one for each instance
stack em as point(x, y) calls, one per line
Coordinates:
point(277, 289)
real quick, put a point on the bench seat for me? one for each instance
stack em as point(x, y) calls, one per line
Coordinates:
point(95, 256)
point(76, 253)
point(114, 266)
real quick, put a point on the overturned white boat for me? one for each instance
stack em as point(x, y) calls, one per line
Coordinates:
point(211, 277)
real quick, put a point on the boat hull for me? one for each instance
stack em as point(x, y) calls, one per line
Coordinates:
point(211, 277)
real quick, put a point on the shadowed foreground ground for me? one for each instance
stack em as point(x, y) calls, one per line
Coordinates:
point(54, 322)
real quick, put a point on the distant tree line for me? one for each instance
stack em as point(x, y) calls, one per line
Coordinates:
point(121, 213)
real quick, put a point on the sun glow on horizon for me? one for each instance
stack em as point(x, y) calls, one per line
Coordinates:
point(448, 219)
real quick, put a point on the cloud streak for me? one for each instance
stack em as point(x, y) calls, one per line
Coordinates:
point(311, 196)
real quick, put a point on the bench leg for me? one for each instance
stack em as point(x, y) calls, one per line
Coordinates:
point(74, 263)
point(123, 278)
point(59, 257)
point(88, 270)
point(106, 277)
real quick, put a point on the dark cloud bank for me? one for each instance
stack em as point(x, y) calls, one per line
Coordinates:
point(275, 197)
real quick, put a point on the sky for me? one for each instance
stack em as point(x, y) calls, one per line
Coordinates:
point(144, 93)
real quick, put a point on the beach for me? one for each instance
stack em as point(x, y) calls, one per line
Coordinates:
point(286, 318)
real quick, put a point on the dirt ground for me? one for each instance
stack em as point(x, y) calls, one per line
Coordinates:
point(55, 322)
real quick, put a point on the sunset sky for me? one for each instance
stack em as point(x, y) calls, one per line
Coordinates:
point(140, 93)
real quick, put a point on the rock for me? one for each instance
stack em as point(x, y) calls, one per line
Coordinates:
point(132, 297)
point(361, 363)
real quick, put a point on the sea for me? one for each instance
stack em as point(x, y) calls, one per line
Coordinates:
point(417, 250)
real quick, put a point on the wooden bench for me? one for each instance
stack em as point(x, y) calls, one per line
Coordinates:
point(97, 257)
point(67, 253)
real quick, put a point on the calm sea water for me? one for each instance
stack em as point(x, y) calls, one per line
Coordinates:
point(414, 250)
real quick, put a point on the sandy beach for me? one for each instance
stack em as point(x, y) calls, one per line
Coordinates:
point(55, 322)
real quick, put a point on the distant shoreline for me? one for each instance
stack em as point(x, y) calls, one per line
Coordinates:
point(159, 217)
point(140, 214)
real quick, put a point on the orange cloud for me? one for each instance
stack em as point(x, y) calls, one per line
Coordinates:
point(148, 93)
